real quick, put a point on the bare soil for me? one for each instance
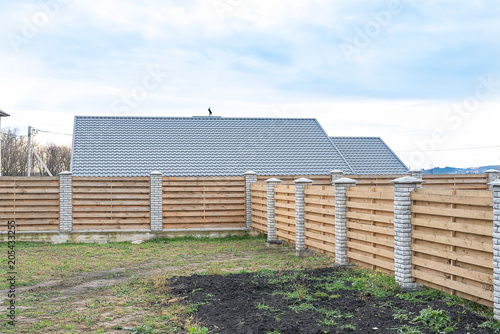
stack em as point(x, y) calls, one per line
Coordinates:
point(291, 302)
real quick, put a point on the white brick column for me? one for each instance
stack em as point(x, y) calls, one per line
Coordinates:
point(271, 216)
point(495, 185)
point(65, 202)
point(250, 177)
point(156, 201)
point(341, 186)
point(300, 235)
point(416, 173)
point(336, 175)
point(402, 230)
point(493, 175)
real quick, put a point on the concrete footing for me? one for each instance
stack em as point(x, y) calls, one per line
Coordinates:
point(102, 237)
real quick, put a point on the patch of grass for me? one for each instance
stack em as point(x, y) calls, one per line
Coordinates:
point(327, 322)
point(348, 326)
point(492, 324)
point(375, 283)
point(198, 330)
point(303, 307)
point(265, 307)
point(406, 329)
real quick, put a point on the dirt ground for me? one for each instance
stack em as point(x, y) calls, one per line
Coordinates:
point(314, 301)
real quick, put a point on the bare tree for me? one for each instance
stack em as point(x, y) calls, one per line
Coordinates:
point(15, 151)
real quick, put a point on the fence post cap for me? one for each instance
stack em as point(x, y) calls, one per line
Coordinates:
point(407, 180)
point(65, 173)
point(415, 171)
point(336, 171)
point(492, 171)
point(250, 173)
point(303, 180)
point(273, 180)
point(155, 173)
point(495, 183)
point(345, 180)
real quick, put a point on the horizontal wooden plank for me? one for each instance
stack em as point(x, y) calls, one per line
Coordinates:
point(453, 199)
point(285, 237)
point(27, 190)
point(320, 191)
point(328, 201)
point(203, 225)
point(96, 190)
point(370, 238)
point(318, 245)
point(204, 207)
point(204, 189)
point(130, 227)
point(312, 219)
point(29, 178)
point(473, 227)
point(284, 227)
point(320, 232)
point(448, 269)
point(452, 212)
point(370, 194)
point(31, 208)
point(29, 215)
point(168, 196)
point(423, 277)
point(202, 178)
point(370, 217)
point(451, 241)
point(109, 214)
point(370, 249)
point(452, 255)
point(324, 211)
point(203, 214)
point(111, 184)
point(114, 209)
point(371, 261)
point(370, 206)
point(183, 220)
point(370, 228)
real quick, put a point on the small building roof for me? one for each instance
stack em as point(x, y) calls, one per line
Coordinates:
point(369, 155)
point(202, 146)
point(3, 114)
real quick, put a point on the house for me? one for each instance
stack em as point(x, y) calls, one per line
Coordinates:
point(216, 146)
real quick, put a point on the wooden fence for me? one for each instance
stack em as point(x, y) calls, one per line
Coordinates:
point(203, 202)
point(452, 247)
point(285, 212)
point(259, 207)
point(33, 203)
point(457, 181)
point(448, 181)
point(370, 227)
point(113, 203)
point(319, 216)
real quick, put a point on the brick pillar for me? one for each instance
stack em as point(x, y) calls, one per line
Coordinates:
point(341, 186)
point(416, 173)
point(402, 230)
point(65, 202)
point(272, 240)
point(250, 177)
point(493, 175)
point(156, 201)
point(300, 236)
point(495, 185)
point(336, 175)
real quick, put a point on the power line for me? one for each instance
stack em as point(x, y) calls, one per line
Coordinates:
point(452, 149)
point(56, 133)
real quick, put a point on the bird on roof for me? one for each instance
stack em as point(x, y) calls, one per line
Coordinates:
point(209, 112)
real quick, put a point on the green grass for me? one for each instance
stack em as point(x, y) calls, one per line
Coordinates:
point(139, 302)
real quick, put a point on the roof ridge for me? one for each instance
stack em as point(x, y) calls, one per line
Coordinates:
point(193, 117)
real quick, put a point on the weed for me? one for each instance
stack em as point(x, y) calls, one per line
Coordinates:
point(327, 322)
point(437, 320)
point(492, 324)
point(144, 329)
point(322, 295)
point(264, 307)
point(264, 272)
point(198, 330)
point(348, 326)
point(405, 329)
point(303, 307)
point(375, 283)
point(401, 315)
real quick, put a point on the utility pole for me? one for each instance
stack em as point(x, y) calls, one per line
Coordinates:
point(2, 114)
point(29, 150)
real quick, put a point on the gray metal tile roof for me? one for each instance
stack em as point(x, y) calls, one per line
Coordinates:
point(202, 146)
point(369, 155)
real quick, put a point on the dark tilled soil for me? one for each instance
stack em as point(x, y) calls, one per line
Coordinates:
point(255, 303)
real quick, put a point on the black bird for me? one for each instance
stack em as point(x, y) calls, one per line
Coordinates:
point(209, 112)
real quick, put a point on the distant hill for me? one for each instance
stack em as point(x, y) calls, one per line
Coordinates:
point(454, 170)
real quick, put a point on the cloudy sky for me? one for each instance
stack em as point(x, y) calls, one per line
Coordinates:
point(423, 75)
